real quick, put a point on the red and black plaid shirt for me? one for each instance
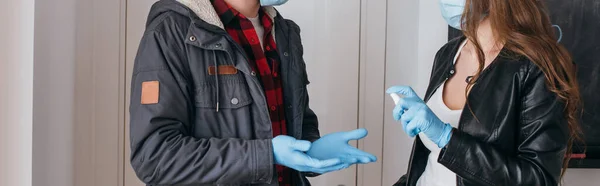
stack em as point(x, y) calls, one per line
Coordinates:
point(266, 62)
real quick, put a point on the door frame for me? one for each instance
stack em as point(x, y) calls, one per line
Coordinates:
point(373, 39)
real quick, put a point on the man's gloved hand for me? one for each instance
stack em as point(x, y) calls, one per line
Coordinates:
point(416, 117)
point(289, 152)
point(335, 145)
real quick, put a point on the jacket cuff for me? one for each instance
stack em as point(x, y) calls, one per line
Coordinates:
point(313, 139)
point(448, 153)
point(310, 174)
point(263, 161)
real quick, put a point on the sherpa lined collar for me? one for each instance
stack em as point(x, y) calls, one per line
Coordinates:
point(206, 12)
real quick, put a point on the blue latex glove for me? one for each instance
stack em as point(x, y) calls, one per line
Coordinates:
point(272, 2)
point(335, 145)
point(452, 11)
point(289, 152)
point(416, 117)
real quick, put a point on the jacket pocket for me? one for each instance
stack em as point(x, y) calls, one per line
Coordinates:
point(232, 94)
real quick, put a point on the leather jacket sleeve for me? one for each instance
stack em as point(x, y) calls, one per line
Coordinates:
point(542, 142)
point(163, 152)
point(401, 182)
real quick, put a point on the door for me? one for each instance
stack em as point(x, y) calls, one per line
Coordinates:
point(331, 39)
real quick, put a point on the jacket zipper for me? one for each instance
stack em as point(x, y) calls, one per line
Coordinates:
point(253, 79)
point(247, 60)
point(230, 40)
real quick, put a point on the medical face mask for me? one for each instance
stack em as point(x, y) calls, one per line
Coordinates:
point(272, 2)
point(452, 11)
point(560, 33)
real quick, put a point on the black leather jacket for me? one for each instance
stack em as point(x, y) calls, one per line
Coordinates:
point(521, 136)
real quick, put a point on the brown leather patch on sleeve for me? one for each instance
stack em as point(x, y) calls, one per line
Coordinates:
point(223, 70)
point(150, 92)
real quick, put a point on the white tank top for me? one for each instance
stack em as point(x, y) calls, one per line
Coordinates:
point(259, 28)
point(436, 174)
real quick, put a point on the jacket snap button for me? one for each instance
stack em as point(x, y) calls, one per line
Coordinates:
point(273, 108)
point(235, 101)
point(253, 73)
point(218, 45)
point(286, 54)
point(451, 72)
point(192, 38)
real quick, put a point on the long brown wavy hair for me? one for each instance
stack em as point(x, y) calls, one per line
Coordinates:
point(524, 27)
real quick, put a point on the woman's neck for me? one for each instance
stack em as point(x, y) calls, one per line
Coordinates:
point(485, 37)
point(489, 45)
point(248, 8)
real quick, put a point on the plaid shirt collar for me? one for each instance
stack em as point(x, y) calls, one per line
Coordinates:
point(225, 11)
point(228, 13)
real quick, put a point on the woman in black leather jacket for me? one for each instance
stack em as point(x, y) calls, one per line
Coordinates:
point(516, 94)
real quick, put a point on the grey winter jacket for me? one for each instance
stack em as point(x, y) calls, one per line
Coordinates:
point(189, 127)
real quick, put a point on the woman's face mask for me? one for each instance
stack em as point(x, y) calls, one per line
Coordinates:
point(452, 11)
point(272, 2)
point(559, 32)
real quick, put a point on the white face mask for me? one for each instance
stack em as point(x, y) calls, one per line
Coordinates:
point(452, 11)
point(272, 2)
point(560, 33)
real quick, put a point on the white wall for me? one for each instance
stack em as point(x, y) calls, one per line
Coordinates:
point(99, 83)
point(16, 90)
point(54, 78)
point(331, 40)
point(416, 31)
point(76, 49)
point(371, 85)
point(98, 97)
point(582, 177)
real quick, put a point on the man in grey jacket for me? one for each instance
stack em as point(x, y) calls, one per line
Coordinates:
point(219, 98)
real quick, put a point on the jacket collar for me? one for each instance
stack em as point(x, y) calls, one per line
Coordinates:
point(207, 29)
point(443, 67)
point(207, 13)
point(205, 18)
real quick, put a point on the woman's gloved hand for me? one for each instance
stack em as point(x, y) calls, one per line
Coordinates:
point(416, 117)
point(335, 145)
point(289, 152)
